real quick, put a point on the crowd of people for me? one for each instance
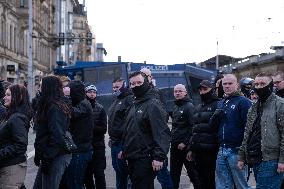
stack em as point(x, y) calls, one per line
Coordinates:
point(237, 126)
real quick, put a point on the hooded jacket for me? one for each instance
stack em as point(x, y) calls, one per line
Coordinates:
point(14, 139)
point(182, 121)
point(146, 131)
point(117, 113)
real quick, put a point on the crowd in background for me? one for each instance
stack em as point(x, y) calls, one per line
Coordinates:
point(238, 126)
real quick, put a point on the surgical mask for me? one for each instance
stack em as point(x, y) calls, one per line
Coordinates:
point(265, 92)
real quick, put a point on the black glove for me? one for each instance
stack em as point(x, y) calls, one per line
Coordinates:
point(37, 160)
point(218, 113)
point(45, 166)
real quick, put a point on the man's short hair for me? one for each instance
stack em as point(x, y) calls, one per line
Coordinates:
point(263, 74)
point(119, 79)
point(281, 73)
point(137, 73)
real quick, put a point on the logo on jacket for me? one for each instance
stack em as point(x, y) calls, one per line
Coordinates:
point(120, 102)
point(209, 109)
point(181, 111)
point(233, 106)
point(139, 111)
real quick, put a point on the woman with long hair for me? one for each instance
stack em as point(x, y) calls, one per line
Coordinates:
point(14, 137)
point(52, 119)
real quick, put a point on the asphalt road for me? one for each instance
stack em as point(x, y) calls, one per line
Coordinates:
point(109, 172)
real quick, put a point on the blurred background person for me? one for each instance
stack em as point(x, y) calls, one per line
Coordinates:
point(14, 137)
point(246, 84)
point(278, 81)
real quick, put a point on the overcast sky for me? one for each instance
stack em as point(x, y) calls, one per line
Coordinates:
point(180, 31)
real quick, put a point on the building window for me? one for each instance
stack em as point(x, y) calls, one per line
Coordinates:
point(11, 38)
point(22, 3)
point(15, 40)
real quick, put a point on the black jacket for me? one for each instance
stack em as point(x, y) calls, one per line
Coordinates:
point(159, 95)
point(14, 139)
point(82, 124)
point(204, 137)
point(182, 121)
point(49, 141)
point(280, 93)
point(100, 123)
point(117, 113)
point(146, 130)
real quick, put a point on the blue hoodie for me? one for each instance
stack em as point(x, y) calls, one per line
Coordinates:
point(233, 122)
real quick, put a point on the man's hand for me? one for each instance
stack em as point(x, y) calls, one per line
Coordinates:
point(280, 168)
point(157, 165)
point(189, 156)
point(241, 164)
point(181, 146)
point(109, 143)
point(120, 155)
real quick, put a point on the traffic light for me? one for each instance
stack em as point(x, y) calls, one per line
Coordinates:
point(61, 38)
point(89, 39)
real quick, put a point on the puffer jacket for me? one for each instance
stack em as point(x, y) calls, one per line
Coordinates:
point(272, 132)
point(146, 131)
point(204, 137)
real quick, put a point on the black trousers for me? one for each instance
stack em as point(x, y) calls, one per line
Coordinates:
point(141, 173)
point(177, 160)
point(96, 169)
point(206, 165)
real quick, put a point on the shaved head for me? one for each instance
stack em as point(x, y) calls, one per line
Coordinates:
point(180, 86)
point(146, 71)
point(230, 84)
point(231, 77)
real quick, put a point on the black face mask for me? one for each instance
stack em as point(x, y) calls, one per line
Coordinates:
point(139, 91)
point(207, 96)
point(265, 92)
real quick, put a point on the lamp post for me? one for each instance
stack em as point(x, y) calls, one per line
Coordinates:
point(30, 51)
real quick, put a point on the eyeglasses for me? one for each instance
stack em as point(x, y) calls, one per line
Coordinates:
point(277, 82)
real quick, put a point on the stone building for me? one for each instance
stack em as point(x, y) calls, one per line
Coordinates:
point(14, 33)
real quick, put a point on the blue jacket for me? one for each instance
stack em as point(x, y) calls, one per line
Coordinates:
point(233, 121)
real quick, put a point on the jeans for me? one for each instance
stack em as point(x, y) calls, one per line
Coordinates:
point(120, 167)
point(13, 176)
point(164, 177)
point(266, 175)
point(52, 180)
point(227, 172)
point(75, 173)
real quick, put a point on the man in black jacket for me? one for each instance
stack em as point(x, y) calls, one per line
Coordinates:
point(204, 144)
point(117, 114)
point(81, 124)
point(182, 122)
point(98, 164)
point(146, 138)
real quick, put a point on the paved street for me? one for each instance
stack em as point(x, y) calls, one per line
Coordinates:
point(110, 174)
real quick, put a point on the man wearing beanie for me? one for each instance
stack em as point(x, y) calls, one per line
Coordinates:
point(98, 164)
point(146, 137)
point(263, 143)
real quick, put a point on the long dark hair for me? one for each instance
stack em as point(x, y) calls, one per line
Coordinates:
point(51, 93)
point(19, 101)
